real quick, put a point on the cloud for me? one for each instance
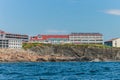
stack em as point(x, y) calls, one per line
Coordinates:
point(53, 31)
point(113, 12)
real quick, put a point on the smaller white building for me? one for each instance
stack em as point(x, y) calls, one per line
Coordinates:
point(113, 42)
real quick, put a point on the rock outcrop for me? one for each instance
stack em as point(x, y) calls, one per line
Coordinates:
point(79, 53)
point(60, 53)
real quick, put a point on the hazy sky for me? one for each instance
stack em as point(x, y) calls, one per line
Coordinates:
point(34, 17)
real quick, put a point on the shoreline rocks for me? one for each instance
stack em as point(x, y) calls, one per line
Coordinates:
point(13, 55)
point(57, 53)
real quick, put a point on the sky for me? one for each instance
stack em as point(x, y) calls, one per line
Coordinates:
point(34, 17)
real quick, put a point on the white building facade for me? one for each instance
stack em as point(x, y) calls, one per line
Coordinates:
point(8, 40)
point(15, 43)
point(113, 42)
point(86, 38)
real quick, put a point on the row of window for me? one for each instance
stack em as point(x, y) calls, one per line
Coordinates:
point(85, 37)
point(3, 46)
point(14, 47)
point(15, 44)
point(15, 40)
point(3, 40)
point(16, 35)
point(86, 40)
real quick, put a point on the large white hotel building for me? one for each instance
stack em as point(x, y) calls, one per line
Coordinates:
point(86, 38)
point(10, 40)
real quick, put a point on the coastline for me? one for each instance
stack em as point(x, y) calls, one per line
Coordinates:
point(20, 55)
point(57, 53)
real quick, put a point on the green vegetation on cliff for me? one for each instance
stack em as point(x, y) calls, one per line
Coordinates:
point(30, 45)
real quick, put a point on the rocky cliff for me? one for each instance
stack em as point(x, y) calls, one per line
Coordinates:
point(60, 53)
point(79, 53)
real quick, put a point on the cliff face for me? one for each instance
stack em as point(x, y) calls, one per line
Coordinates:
point(60, 53)
point(79, 53)
point(16, 55)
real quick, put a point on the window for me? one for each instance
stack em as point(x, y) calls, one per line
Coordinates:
point(39, 36)
point(91, 40)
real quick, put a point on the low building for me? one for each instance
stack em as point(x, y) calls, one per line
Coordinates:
point(113, 42)
point(10, 40)
point(86, 38)
point(53, 39)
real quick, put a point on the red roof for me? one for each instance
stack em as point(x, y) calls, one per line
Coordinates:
point(45, 37)
point(2, 32)
point(34, 38)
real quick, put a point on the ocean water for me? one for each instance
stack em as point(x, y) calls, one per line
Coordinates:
point(60, 71)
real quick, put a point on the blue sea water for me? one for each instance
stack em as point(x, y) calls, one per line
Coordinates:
point(60, 71)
